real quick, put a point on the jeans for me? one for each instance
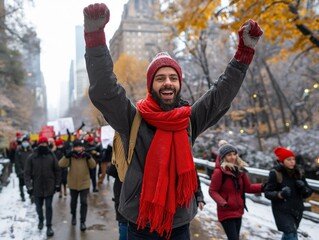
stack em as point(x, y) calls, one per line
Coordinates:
point(83, 201)
point(289, 236)
point(123, 231)
point(48, 209)
point(180, 233)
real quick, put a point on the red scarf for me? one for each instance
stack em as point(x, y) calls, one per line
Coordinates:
point(169, 175)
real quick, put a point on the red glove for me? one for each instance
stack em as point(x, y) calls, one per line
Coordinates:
point(96, 16)
point(248, 34)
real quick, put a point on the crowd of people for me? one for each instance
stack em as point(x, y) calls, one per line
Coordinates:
point(161, 192)
point(50, 165)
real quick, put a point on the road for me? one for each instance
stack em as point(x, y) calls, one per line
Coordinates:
point(101, 224)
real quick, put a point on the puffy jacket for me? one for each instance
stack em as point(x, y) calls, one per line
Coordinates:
point(20, 158)
point(42, 173)
point(287, 212)
point(110, 98)
point(228, 194)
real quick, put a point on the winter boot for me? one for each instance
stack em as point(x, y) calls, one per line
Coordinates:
point(73, 221)
point(50, 232)
point(40, 225)
point(82, 226)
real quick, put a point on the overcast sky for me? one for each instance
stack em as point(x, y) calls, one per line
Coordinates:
point(55, 23)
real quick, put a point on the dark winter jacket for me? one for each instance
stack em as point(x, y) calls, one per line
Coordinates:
point(20, 158)
point(42, 173)
point(107, 154)
point(228, 191)
point(110, 98)
point(287, 212)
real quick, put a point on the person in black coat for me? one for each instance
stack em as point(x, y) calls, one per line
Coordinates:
point(22, 153)
point(286, 188)
point(42, 179)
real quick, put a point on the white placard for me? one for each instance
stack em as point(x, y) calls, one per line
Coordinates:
point(62, 124)
point(107, 134)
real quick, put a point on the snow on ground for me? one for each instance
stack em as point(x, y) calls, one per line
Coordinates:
point(17, 218)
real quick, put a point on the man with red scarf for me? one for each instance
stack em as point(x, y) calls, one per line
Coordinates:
point(160, 191)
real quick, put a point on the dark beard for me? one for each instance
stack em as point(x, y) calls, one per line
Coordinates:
point(166, 107)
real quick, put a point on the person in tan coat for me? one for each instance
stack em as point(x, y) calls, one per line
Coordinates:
point(79, 163)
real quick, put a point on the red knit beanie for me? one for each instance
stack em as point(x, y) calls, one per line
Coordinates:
point(59, 142)
point(162, 59)
point(283, 153)
point(90, 139)
point(43, 140)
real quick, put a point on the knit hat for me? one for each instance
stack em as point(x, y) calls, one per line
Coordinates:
point(162, 59)
point(225, 149)
point(283, 153)
point(59, 142)
point(77, 143)
point(43, 140)
point(90, 139)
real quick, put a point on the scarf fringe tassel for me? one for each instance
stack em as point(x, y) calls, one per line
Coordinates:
point(186, 186)
point(159, 219)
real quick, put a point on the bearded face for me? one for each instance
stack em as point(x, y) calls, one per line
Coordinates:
point(166, 88)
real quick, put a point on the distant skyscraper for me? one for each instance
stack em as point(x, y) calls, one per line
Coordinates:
point(81, 82)
point(140, 32)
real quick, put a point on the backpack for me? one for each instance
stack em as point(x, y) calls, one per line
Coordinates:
point(118, 154)
point(278, 176)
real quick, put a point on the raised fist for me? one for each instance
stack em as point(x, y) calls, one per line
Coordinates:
point(249, 34)
point(96, 16)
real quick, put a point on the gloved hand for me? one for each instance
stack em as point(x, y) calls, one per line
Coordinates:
point(300, 185)
point(86, 155)
point(69, 154)
point(57, 188)
point(248, 35)
point(30, 191)
point(285, 192)
point(96, 16)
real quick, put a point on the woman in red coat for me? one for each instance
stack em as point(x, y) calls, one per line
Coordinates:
point(228, 185)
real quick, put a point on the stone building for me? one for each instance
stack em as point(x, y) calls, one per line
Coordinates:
point(140, 33)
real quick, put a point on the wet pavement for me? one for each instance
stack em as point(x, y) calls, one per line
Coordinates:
point(101, 222)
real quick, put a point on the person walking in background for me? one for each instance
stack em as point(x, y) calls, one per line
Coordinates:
point(105, 163)
point(117, 185)
point(94, 150)
point(79, 163)
point(21, 155)
point(286, 188)
point(228, 186)
point(59, 152)
point(158, 196)
point(42, 177)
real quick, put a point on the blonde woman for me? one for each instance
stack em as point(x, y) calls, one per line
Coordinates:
point(228, 185)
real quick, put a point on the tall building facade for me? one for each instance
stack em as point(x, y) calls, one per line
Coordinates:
point(140, 32)
point(79, 81)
